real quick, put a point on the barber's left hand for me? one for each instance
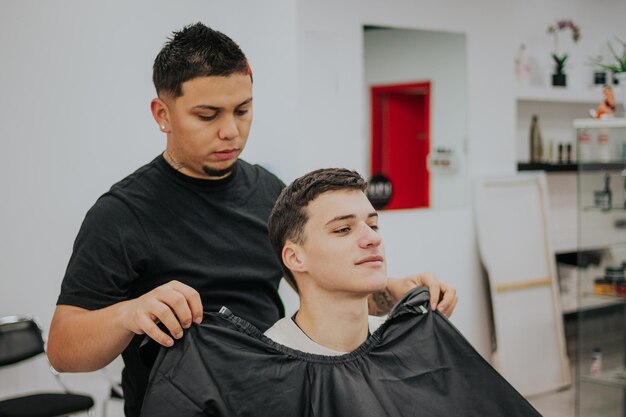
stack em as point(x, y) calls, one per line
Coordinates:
point(442, 296)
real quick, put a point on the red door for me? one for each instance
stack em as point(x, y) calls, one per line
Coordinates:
point(401, 141)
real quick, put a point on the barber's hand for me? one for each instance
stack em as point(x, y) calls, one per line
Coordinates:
point(442, 296)
point(174, 304)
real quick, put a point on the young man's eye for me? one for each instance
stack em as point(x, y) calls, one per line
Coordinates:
point(207, 118)
point(241, 112)
point(374, 227)
point(342, 230)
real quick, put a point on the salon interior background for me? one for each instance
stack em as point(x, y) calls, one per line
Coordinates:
point(75, 78)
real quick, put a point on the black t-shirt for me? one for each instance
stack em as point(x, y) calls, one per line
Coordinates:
point(157, 225)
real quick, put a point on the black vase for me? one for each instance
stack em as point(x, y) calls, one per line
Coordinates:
point(559, 79)
point(599, 78)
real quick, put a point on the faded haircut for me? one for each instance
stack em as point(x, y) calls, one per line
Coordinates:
point(196, 51)
point(289, 217)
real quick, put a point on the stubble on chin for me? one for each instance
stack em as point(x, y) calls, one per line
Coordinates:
point(217, 172)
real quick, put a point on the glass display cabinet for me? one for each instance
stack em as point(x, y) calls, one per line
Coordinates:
point(601, 323)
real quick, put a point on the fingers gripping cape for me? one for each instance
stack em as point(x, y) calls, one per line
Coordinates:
point(415, 364)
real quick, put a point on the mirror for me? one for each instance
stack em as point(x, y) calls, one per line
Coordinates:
point(416, 82)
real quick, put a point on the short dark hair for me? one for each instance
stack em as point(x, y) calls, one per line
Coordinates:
point(196, 51)
point(288, 217)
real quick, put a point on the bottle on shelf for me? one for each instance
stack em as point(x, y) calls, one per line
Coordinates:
point(603, 198)
point(522, 67)
point(623, 174)
point(584, 146)
point(596, 363)
point(603, 146)
point(536, 143)
point(607, 190)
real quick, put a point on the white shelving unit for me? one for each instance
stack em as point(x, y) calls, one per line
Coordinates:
point(561, 111)
point(590, 96)
point(600, 124)
point(601, 326)
point(557, 108)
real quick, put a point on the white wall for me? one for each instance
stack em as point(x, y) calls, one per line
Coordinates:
point(75, 78)
point(598, 22)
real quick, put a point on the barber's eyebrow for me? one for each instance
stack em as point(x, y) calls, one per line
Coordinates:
point(217, 108)
point(206, 107)
point(348, 216)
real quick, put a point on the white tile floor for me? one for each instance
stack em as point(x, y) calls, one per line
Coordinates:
point(556, 404)
point(596, 401)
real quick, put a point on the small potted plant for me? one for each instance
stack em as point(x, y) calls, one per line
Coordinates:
point(617, 68)
point(559, 78)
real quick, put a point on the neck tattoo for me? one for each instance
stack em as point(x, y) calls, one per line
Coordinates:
point(173, 162)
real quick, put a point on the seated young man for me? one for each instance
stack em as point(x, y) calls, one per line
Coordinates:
point(325, 232)
point(322, 362)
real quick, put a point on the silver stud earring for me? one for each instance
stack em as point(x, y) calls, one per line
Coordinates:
point(162, 127)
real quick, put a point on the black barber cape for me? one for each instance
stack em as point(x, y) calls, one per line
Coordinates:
point(415, 364)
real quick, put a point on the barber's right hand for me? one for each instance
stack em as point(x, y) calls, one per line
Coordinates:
point(174, 304)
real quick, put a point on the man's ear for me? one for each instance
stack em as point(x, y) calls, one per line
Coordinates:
point(161, 114)
point(293, 257)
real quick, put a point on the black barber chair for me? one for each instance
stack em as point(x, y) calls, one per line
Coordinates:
point(21, 339)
